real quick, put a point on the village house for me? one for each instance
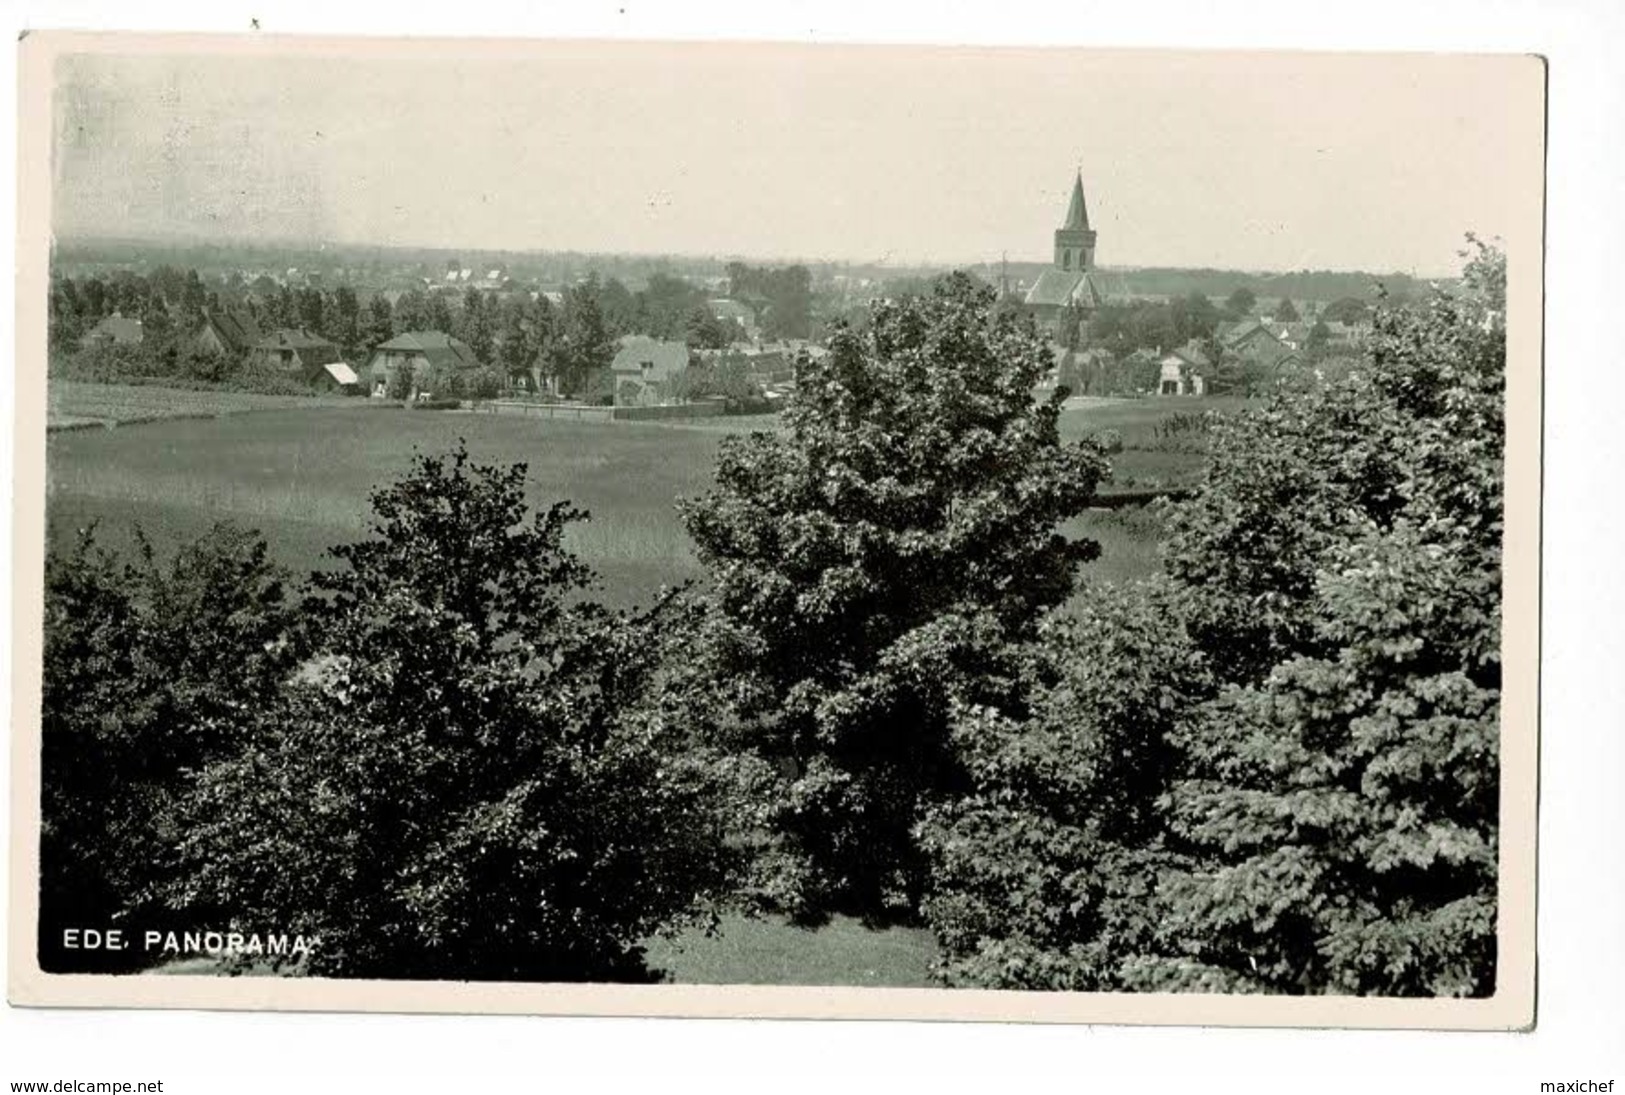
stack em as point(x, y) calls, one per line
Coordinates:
point(230, 333)
point(431, 358)
point(115, 330)
point(733, 311)
point(1253, 341)
point(645, 371)
point(295, 353)
point(1182, 370)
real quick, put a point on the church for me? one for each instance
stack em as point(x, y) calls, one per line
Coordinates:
point(1071, 279)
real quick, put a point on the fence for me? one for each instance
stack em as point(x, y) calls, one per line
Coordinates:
point(580, 412)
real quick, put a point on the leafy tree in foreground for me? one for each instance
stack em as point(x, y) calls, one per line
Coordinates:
point(1280, 775)
point(872, 562)
point(1044, 874)
point(147, 670)
point(472, 782)
point(1342, 810)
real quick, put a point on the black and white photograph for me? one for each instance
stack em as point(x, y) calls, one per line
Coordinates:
point(689, 527)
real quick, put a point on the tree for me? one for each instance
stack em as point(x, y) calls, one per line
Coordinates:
point(193, 298)
point(1286, 311)
point(478, 324)
point(1240, 303)
point(147, 667)
point(312, 310)
point(345, 320)
point(1194, 316)
point(869, 564)
point(584, 346)
point(782, 297)
point(438, 317)
point(1310, 709)
point(1044, 872)
point(474, 781)
point(380, 324)
point(412, 312)
point(1346, 310)
point(704, 331)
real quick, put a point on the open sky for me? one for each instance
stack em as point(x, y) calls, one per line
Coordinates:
point(1250, 161)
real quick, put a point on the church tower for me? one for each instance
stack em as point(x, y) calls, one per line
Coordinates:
point(1075, 240)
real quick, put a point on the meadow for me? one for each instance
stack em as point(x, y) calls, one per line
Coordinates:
point(77, 403)
point(302, 477)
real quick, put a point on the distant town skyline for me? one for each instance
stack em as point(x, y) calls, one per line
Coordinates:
point(903, 156)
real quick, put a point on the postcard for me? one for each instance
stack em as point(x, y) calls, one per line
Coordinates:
point(777, 530)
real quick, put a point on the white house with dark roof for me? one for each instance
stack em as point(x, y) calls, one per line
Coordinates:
point(645, 370)
point(1182, 370)
point(431, 357)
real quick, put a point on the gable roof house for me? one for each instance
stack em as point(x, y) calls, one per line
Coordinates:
point(432, 358)
point(734, 311)
point(645, 370)
point(1182, 370)
point(115, 330)
point(1253, 341)
point(229, 333)
point(295, 353)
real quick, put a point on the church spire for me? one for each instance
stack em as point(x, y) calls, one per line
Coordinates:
point(1075, 240)
point(1077, 214)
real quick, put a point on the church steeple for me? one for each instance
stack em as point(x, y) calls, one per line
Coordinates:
point(1077, 213)
point(1075, 240)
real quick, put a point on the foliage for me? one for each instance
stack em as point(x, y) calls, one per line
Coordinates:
point(1240, 303)
point(1044, 874)
point(477, 779)
point(146, 669)
point(584, 344)
point(726, 377)
point(781, 296)
point(1346, 310)
point(1305, 719)
point(872, 561)
point(1342, 804)
point(1286, 311)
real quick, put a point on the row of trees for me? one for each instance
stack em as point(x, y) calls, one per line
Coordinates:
point(526, 337)
point(1272, 770)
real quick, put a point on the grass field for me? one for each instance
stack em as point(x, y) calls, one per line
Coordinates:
point(743, 951)
point(302, 477)
point(79, 403)
point(746, 951)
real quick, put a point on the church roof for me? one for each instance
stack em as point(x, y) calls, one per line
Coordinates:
point(1077, 213)
point(1053, 288)
point(1058, 288)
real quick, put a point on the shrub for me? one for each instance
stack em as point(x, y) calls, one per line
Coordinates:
point(872, 562)
point(477, 781)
